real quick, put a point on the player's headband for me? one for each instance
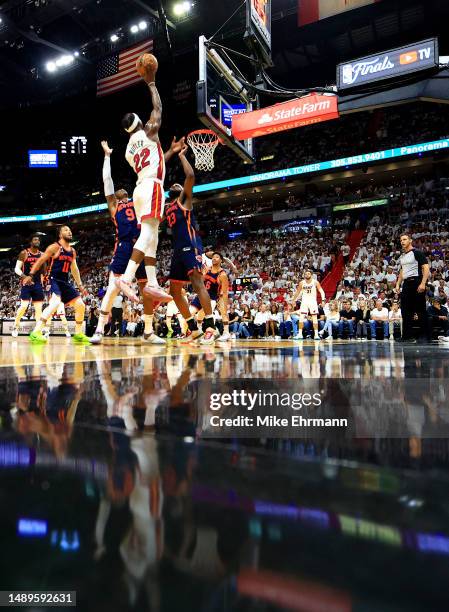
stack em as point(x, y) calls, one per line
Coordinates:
point(134, 124)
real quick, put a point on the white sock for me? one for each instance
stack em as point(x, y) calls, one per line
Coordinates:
point(130, 271)
point(102, 320)
point(151, 275)
point(148, 324)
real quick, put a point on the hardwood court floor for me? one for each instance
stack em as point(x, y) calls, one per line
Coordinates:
point(59, 349)
point(116, 482)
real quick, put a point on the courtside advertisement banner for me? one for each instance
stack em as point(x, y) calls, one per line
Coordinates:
point(285, 116)
point(390, 64)
point(26, 327)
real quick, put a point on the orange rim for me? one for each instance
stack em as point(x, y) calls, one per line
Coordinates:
point(209, 133)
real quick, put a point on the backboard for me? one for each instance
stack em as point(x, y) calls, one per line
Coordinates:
point(220, 94)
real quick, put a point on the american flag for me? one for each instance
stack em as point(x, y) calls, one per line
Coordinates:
point(119, 70)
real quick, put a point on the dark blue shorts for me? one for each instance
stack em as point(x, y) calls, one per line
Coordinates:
point(196, 303)
point(32, 292)
point(66, 291)
point(183, 262)
point(120, 260)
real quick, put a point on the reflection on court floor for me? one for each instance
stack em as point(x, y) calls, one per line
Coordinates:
point(107, 465)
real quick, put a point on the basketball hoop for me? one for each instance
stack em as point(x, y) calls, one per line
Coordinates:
point(203, 144)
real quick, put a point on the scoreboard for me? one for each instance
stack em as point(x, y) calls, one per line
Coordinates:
point(75, 145)
point(258, 28)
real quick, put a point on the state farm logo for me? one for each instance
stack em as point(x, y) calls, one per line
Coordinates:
point(300, 109)
point(266, 118)
point(351, 72)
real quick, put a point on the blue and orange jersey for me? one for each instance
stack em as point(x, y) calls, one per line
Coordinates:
point(29, 262)
point(125, 222)
point(60, 264)
point(212, 282)
point(184, 227)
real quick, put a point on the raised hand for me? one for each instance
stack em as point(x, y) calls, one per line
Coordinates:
point(106, 148)
point(177, 145)
point(184, 150)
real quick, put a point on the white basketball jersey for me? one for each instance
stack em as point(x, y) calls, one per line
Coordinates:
point(145, 157)
point(309, 291)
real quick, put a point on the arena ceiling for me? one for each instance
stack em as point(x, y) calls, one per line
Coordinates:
point(34, 31)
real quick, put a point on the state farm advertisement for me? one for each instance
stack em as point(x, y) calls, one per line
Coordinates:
point(285, 116)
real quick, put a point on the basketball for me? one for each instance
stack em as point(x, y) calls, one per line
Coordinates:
point(147, 65)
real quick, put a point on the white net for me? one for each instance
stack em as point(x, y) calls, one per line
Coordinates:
point(203, 144)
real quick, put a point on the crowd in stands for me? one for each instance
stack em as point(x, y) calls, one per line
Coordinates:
point(78, 179)
point(272, 263)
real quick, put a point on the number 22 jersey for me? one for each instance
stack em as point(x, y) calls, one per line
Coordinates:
point(145, 157)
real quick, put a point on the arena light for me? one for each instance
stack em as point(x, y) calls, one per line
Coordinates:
point(143, 25)
point(61, 62)
point(114, 38)
point(134, 29)
point(76, 54)
point(182, 8)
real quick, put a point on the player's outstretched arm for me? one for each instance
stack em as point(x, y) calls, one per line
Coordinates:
point(175, 147)
point(19, 263)
point(154, 123)
point(108, 183)
point(230, 264)
point(189, 181)
point(50, 252)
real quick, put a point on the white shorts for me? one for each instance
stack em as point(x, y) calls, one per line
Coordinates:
point(308, 308)
point(149, 200)
point(60, 312)
point(172, 309)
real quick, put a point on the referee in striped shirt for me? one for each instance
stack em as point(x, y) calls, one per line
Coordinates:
point(413, 276)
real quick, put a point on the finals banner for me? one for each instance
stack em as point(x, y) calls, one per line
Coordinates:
point(310, 11)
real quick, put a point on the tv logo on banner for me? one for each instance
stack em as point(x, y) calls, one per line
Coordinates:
point(394, 63)
point(285, 116)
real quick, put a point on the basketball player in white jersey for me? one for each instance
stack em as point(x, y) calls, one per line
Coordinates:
point(144, 154)
point(307, 291)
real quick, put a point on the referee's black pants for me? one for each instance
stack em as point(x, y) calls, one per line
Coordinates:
point(116, 320)
point(413, 303)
